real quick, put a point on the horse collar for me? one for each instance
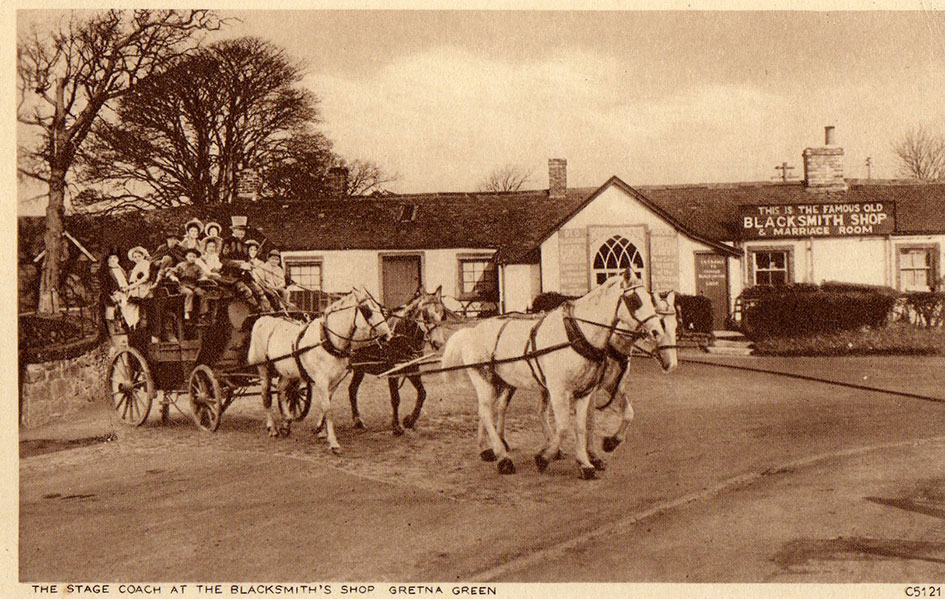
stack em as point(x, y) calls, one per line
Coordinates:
point(328, 345)
point(576, 338)
point(298, 355)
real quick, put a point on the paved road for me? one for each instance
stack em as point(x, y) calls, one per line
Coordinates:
point(727, 477)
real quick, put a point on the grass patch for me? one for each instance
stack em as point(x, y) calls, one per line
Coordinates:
point(895, 339)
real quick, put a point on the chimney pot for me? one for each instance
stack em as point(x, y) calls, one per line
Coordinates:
point(557, 178)
point(828, 135)
point(823, 167)
point(338, 181)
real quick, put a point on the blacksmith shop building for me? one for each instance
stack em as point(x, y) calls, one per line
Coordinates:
point(497, 251)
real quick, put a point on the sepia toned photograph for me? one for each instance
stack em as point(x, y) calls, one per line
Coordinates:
point(432, 302)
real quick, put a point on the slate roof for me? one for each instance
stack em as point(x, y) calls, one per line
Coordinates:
point(514, 223)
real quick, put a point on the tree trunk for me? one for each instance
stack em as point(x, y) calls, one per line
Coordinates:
point(49, 281)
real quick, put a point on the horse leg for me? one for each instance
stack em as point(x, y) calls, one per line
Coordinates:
point(486, 394)
point(581, 406)
point(266, 396)
point(561, 410)
point(595, 460)
point(395, 406)
point(322, 398)
point(276, 422)
point(285, 427)
point(417, 383)
point(610, 443)
point(505, 397)
point(356, 377)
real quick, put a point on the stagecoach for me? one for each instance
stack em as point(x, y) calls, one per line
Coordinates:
point(204, 361)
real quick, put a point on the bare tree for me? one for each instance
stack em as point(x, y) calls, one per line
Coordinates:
point(298, 167)
point(365, 176)
point(510, 177)
point(67, 77)
point(187, 132)
point(921, 154)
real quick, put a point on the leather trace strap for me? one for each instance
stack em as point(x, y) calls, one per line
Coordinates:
point(532, 346)
point(298, 355)
point(576, 338)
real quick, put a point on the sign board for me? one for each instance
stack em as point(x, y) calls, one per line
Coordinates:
point(572, 261)
point(824, 219)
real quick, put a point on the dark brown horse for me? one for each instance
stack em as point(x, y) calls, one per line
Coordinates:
point(413, 325)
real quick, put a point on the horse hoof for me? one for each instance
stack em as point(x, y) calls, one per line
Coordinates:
point(273, 433)
point(487, 456)
point(541, 462)
point(506, 466)
point(397, 431)
point(336, 450)
point(610, 444)
point(359, 425)
point(598, 463)
point(559, 455)
point(409, 421)
point(588, 473)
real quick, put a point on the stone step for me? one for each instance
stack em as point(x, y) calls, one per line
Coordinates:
point(730, 335)
point(732, 343)
point(729, 351)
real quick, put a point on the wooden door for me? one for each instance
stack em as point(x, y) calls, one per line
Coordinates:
point(400, 278)
point(712, 282)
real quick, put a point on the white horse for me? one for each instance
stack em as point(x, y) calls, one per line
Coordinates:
point(622, 344)
point(316, 352)
point(568, 359)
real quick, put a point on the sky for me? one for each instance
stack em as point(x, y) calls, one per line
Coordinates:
point(443, 98)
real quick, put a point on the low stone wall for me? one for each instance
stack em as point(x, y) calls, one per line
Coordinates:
point(57, 388)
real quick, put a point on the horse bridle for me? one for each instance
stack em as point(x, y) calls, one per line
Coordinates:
point(365, 312)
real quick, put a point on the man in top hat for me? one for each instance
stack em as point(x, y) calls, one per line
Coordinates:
point(192, 231)
point(237, 269)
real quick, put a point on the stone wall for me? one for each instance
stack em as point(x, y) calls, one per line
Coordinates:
point(54, 389)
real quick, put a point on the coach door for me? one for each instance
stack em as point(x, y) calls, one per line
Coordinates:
point(712, 282)
point(400, 278)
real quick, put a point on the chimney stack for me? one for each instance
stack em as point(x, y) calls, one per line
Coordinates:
point(247, 184)
point(823, 167)
point(557, 178)
point(338, 181)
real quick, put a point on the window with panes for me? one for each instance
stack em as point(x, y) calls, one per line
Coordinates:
point(478, 279)
point(305, 284)
point(771, 267)
point(918, 268)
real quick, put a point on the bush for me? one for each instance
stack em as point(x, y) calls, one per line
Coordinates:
point(695, 313)
point(897, 338)
point(924, 309)
point(804, 310)
point(549, 300)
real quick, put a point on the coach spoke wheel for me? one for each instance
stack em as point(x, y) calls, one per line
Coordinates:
point(129, 386)
point(206, 398)
point(295, 402)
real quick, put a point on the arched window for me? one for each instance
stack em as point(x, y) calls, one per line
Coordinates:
point(614, 255)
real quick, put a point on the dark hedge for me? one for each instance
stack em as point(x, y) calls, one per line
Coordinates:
point(695, 313)
point(805, 309)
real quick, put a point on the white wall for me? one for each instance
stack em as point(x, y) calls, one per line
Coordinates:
point(344, 269)
point(521, 283)
point(613, 208)
point(850, 260)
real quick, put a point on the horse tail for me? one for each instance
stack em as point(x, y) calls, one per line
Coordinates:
point(453, 354)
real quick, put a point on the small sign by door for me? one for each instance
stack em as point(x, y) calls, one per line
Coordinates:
point(712, 282)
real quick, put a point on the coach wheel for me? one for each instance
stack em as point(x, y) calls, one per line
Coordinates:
point(295, 402)
point(130, 386)
point(206, 399)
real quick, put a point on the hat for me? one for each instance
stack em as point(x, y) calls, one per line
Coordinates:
point(274, 252)
point(191, 250)
point(138, 248)
point(210, 225)
point(238, 222)
point(250, 242)
point(206, 240)
point(194, 222)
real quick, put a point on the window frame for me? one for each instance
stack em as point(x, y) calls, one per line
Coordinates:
point(788, 258)
point(310, 295)
point(461, 294)
point(643, 275)
point(934, 270)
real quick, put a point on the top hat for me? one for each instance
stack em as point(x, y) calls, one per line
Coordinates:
point(238, 222)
